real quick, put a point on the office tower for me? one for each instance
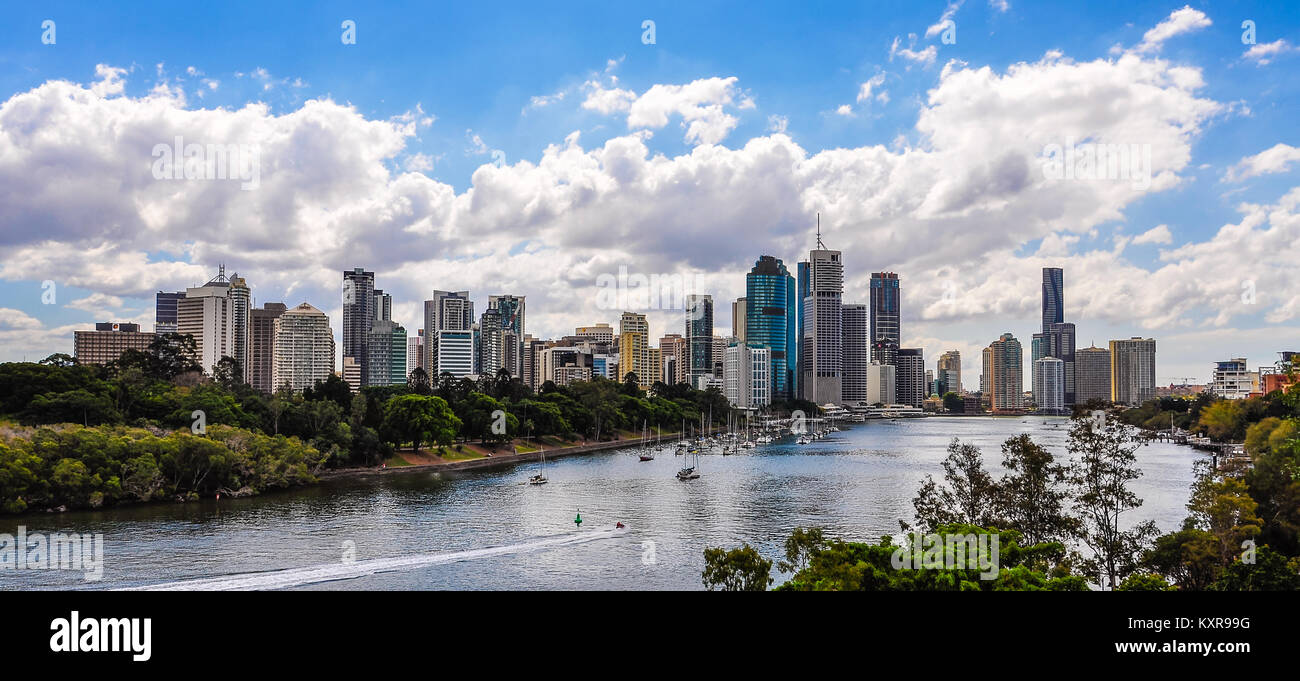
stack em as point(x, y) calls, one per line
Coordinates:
point(1092, 375)
point(881, 384)
point(857, 353)
point(674, 352)
point(511, 310)
point(738, 319)
point(886, 317)
point(1003, 377)
point(386, 353)
point(1132, 370)
point(770, 309)
point(720, 344)
point(262, 343)
point(634, 348)
point(747, 381)
point(949, 371)
point(1059, 339)
point(108, 341)
point(208, 313)
point(909, 380)
point(600, 333)
point(358, 315)
point(1053, 297)
point(164, 320)
point(383, 307)
point(490, 344)
point(450, 316)
point(1049, 385)
point(699, 335)
point(821, 352)
point(304, 348)
point(1232, 380)
point(415, 352)
point(564, 364)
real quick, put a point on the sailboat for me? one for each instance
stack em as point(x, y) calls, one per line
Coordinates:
point(689, 472)
point(539, 479)
point(647, 454)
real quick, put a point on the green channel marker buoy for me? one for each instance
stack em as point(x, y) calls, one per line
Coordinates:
point(578, 519)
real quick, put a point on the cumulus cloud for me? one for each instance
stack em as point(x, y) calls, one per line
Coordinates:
point(1185, 20)
point(1277, 159)
point(925, 56)
point(1264, 53)
point(1159, 234)
point(81, 205)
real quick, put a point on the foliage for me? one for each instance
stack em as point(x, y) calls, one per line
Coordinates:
point(742, 569)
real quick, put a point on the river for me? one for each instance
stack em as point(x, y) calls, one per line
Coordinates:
point(490, 530)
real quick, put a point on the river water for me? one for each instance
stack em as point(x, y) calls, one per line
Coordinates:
point(490, 530)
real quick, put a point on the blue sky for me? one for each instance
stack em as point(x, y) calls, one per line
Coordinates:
point(513, 78)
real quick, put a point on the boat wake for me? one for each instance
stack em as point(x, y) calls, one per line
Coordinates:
point(283, 579)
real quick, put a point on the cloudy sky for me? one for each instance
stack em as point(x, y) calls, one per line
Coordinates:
point(530, 151)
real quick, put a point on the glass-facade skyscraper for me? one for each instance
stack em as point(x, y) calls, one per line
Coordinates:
point(1053, 297)
point(886, 326)
point(771, 308)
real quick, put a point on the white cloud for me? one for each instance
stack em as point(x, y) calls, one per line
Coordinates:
point(1277, 159)
point(777, 123)
point(1264, 53)
point(925, 56)
point(1185, 20)
point(865, 90)
point(1000, 5)
point(701, 104)
point(1159, 234)
point(844, 110)
point(948, 13)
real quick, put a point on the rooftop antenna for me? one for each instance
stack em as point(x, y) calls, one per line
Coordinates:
point(820, 246)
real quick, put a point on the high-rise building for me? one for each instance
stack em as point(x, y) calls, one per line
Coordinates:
point(358, 315)
point(738, 319)
point(634, 348)
point(212, 314)
point(415, 352)
point(699, 335)
point(1053, 297)
point(1092, 375)
point(1059, 340)
point(770, 321)
point(881, 384)
point(674, 353)
point(1231, 379)
point(386, 352)
point(352, 373)
point(857, 353)
point(909, 380)
point(451, 315)
point(491, 344)
point(383, 307)
point(720, 344)
point(821, 350)
point(262, 341)
point(747, 381)
point(1003, 378)
point(304, 348)
point(1049, 385)
point(511, 311)
point(1132, 370)
point(108, 341)
point(164, 320)
point(949, 371)
point(241, 311)
point(886, 317)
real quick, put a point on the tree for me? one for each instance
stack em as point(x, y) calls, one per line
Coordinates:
point(1223, 507)
point(418, 419)
point(1145, 582)
point(742, 569)
point(1033, 493)
point(227, 372)
point(631, 384)
point(953, 402)
point(418, 381)
point(800, 547)
point(59, 359)
point(1271, 571)
point(969, 496)
point(1189, 558)
point(1099, 479)
point(1223, 421)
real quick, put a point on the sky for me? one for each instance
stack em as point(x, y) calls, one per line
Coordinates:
point(540, 151)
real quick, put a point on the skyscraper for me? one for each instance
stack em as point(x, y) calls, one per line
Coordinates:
point(748, 373)
point(949, 371)
point(738, 319)
point(241, 313)
point(699, 336)
point(512, 318)
point(821, 349)
point(164, 320)
point(1053, 297)
point(857, 330)
point(386, 352)
point(449, 317)
point(491, 343)
point(262, 343)
point(634, 348)
point(770, 309)
point(1092, 375)
point(1132, 370)
point(358, 315)
point(881, 384)
point(1049, 385)
point(210, 314)
point(1004, 375)
point(304, 348)
point(909, 380)
point(674, 353)
point(886, 317)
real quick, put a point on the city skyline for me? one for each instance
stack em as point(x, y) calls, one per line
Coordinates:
point(902, 180)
